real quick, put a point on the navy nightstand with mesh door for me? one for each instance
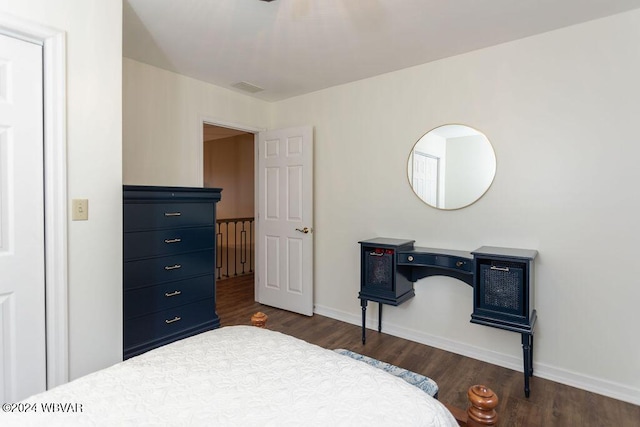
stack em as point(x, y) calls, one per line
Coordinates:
point(503, 296)
point(378, 279)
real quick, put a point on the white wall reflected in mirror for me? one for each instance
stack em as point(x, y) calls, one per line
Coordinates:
point(451, 166)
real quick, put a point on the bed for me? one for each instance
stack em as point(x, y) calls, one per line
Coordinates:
point(235, 376)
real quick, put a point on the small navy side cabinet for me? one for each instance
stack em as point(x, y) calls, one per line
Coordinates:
point(380, 281)
point(503, 296)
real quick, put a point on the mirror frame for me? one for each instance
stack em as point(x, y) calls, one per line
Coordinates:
point(409, 165)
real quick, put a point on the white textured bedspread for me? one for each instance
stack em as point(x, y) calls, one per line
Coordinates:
point(236, 376)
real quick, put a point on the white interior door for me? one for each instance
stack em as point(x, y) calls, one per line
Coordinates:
point(425, 177)
point(284, 270)
point(22, 286)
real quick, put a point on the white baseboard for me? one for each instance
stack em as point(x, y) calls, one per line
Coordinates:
point(560, 375)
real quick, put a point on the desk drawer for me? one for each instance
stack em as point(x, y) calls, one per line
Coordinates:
point(167, 242)
point(147, 272)
point(436, 260)
point(148, 300)
point(150, 216)
point(168, 322)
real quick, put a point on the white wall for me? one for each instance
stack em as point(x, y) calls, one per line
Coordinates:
point(470, 169)
point(94, 169)
point(560, 110)
point(162, 127)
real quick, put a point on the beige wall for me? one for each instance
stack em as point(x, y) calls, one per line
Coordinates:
point(229, 164)
point(162, 127)
point(559, 109)
point(94, 170)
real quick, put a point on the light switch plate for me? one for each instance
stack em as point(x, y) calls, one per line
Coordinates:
point(80, 209)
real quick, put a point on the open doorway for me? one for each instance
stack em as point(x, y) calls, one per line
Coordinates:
point(278, 183)
point(229, 163)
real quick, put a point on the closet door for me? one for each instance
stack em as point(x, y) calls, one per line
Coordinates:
point(22, 286)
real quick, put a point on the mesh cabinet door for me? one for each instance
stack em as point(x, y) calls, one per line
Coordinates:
point(500, 290)
point(379, 268)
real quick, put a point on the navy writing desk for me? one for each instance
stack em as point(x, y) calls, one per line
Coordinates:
point(502, 281)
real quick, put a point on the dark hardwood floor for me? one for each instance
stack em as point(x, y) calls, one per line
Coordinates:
point(550, 403)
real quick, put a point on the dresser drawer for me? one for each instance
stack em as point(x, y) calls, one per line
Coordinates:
point(153, 271)
point(149, 216)
point(168, 322)
point(151, 299)
point(167, 242)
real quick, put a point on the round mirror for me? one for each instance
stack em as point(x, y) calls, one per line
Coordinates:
point(451, 166)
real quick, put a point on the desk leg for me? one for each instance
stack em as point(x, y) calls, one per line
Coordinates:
point(527, 352)
point(379, 317)
point(531, 357)
point(363, 304)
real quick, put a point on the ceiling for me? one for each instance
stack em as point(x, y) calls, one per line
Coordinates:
point(293, 47)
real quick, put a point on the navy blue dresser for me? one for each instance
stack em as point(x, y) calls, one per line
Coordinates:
point(169, 249)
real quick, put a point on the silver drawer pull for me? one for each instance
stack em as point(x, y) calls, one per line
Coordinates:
point(169, 321)
point(176, 240)
point(493, 267)
point(172, 213)
point(172, 267)
point(459, 263)
point(410, 258)
point(172, 294)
